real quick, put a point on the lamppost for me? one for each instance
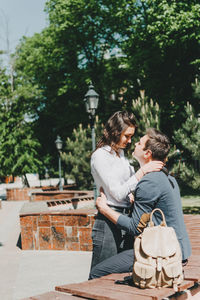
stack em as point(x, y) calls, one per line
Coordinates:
point(59, 144)
point(91, 103)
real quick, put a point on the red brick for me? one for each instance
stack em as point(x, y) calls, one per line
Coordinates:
point(26, 221)
point(18, 194)
point(92, 220)
point(72, 246)
point(44, 238)
point(74, 231)
point(87, 247)
point(38, 198)
point(83, 220)
point(57, 220)
point(85, 235)
point(27, 238)
point(58, 237)
point(44, 221)
point(72, 239)
point(71, 220)
point(71, 234)
point(35, 222)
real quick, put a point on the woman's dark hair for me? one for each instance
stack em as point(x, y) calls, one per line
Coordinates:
point(114, 127)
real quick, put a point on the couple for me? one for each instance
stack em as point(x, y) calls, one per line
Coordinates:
point(153, 188)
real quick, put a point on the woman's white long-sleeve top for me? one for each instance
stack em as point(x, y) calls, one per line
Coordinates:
point(114, 174)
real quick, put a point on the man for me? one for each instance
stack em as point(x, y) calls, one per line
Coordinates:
point(154, 190)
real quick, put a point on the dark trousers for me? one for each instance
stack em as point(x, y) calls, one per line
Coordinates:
point(119, 263)
point(108, 240)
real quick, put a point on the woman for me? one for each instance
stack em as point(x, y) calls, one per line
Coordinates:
point(112, 171)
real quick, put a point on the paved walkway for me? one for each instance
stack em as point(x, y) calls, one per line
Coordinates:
point(29, 273)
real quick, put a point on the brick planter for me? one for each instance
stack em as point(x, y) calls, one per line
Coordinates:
point(41, 194)
point(51, 230)
point(59, 195)
point(18, 194)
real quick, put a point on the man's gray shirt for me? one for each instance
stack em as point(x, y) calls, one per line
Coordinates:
point(157, 190)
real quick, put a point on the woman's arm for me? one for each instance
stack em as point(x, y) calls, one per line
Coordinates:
point(102, 169)
point(152, 166)
point(106, 174)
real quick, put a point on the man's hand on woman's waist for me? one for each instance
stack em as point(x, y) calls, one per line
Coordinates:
point(103, 208)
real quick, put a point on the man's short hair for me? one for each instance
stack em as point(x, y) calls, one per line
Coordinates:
point(158, 143)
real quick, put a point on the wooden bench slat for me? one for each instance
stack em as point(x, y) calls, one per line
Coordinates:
point(195, 290)
point(194, 260)
point(100, 291)
point(192, 273)
point(53, 296)
point(105, 289)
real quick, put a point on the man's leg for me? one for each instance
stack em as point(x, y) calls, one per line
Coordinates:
point(119, 263)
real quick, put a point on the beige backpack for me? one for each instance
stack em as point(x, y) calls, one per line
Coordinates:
point(158, 258)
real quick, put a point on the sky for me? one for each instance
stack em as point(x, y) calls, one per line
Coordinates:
point(21, 17)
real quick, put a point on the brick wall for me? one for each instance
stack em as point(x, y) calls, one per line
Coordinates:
point(59, 195)
point(36, 194)
point(18, 194)
point(58, 231)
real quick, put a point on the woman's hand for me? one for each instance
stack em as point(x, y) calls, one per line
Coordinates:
point(152, 166)
point(131, 198)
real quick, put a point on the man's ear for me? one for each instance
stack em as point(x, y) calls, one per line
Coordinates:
point(147, 154)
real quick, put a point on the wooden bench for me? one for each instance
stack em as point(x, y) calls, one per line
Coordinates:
point(105, 288)
point(53, 296)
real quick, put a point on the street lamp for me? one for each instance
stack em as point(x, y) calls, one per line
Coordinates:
point(91, 103)
point(59, 144)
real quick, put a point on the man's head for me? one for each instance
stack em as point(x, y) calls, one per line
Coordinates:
point(153, 146)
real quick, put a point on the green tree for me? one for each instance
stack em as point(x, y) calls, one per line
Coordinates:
point(187, 138)
point(147, 113)
point(113, 43)
point(77, 158)
point(65, 56)
point(18, 147)
point(162, 50)
point(77, 154)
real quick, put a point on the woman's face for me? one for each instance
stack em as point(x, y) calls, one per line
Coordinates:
point(125, 137)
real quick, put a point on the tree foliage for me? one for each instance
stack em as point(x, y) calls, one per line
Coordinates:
point(148, 114)
point(77, 158)
point(123, 47)
point(18, 147)
point(163, 50)
point(188, 140)
point(77, 154)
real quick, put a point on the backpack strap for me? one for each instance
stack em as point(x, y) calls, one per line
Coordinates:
point(128, 280)
point(163, 223)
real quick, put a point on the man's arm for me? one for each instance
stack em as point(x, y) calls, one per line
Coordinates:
point(146, 195)
point(105, 210)
point(102, 168)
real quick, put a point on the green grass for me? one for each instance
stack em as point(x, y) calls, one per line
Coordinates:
point(191, 204)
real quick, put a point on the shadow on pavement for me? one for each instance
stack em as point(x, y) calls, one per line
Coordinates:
point(19, 242)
